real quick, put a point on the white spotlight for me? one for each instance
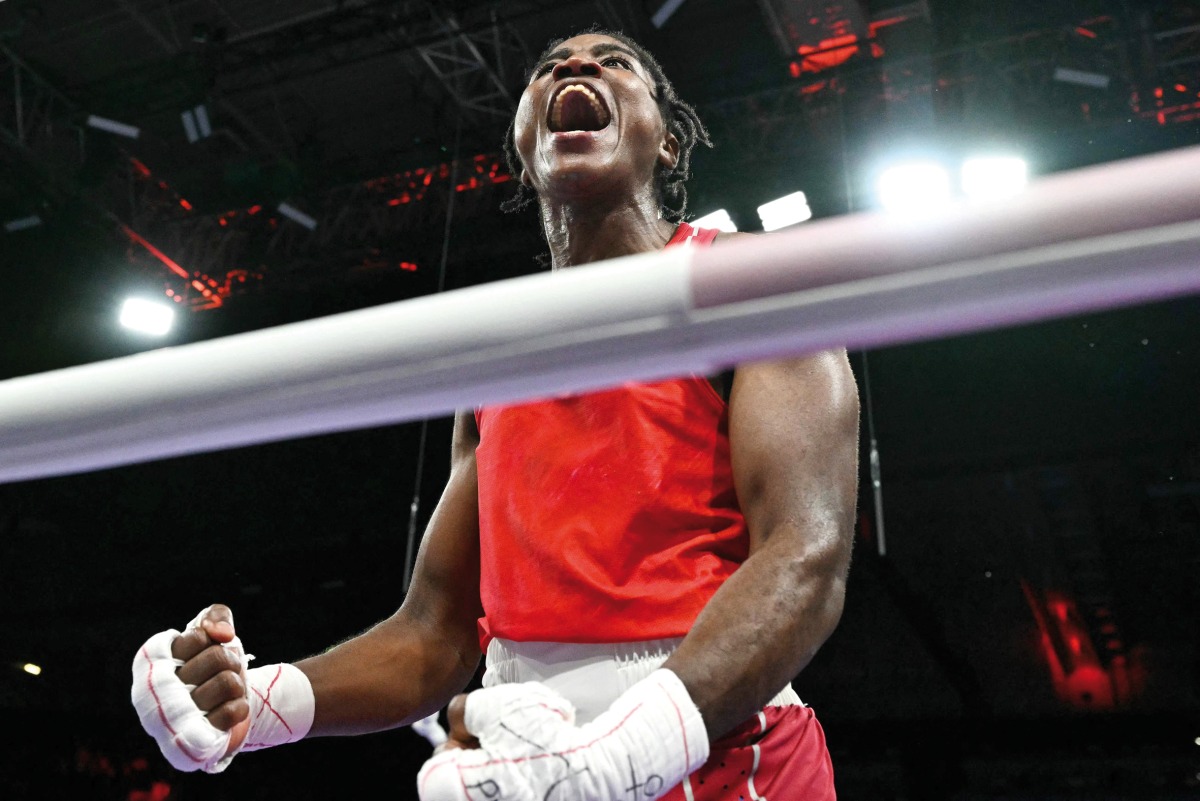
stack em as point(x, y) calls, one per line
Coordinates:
point(112, 126)
point(293, 213)
point(147, 316)
point(718, 219)
point(189, 126)
point(22, 223)
point(665, 11)
point(195, 123)
point(1094, 80)
point(917, 187)
point(202, 120)
point(32, 669)
point(787, 210)
point(994, 177)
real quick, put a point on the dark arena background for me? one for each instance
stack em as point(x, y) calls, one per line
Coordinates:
point(1026, 627)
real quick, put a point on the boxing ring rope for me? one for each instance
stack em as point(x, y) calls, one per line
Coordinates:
point(1093, 239)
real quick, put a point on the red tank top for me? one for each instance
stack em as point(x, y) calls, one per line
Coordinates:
point(608, 516)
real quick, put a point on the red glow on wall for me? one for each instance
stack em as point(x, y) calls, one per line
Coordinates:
point(1089, 687)
point(255, 209)
point(1082, 31)
point(159, 791)
point(1060, 610)
point(1180, 87)
point(1079, 677)
point(139, 168)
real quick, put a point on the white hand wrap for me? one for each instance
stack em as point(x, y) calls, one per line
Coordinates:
point(280, 698)
point(429, 728)
point(531, 750)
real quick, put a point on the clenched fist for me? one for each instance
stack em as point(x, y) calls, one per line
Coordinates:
point(212, 668)
point(194, 695)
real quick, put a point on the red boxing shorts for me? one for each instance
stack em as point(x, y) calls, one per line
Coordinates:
point(777, 755)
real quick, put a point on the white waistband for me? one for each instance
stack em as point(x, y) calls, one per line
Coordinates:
point(591, 676)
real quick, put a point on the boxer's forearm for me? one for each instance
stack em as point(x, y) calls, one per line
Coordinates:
point(414, 662)
point(390, 675)
point(761, 629)
point(793, 433)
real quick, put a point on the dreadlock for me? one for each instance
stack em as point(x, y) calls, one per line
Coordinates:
point(681, 120)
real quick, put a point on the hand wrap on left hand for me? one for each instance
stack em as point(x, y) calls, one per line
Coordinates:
point(531, 749)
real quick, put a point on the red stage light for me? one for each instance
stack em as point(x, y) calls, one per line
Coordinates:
point(829, 53)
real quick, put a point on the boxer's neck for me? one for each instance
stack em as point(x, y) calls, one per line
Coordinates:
point(595, 229)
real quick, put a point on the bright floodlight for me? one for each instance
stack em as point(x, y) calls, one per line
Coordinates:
point(787, 210)
point(994, 177)
point(32, 669)
point(147, 316)
point(718, 219)
point(914, 188)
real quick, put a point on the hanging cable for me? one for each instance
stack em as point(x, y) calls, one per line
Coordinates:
point(414, 508)
point(876, 470)
point(873, 457)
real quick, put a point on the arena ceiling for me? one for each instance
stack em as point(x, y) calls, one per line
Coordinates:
point(1041, 485)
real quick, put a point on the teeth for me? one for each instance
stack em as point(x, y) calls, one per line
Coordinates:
point(556, 112)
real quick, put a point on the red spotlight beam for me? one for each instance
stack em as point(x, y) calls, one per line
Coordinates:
point(166, 260)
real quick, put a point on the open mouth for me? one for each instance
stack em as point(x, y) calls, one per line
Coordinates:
point(577, 108)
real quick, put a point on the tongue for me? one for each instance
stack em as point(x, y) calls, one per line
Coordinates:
point(578, 114)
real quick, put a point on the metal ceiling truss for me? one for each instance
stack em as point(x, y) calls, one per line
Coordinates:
point(357, 227)
point(478, 69)
point(39, 125)
point(990, 78)
point(753, 126)
point(480, 40)
point(1178, 47)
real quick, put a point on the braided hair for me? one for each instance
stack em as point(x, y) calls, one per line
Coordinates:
point(681, 120)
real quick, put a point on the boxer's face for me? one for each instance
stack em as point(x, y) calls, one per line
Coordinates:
point(589, 123)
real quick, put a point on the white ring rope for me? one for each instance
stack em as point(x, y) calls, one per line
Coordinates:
point(1094, 239)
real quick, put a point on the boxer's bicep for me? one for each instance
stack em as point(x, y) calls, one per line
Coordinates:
point(793, 434)
point(445, 587)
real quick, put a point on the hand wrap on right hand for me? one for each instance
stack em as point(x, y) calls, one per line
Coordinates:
point(530, 748)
